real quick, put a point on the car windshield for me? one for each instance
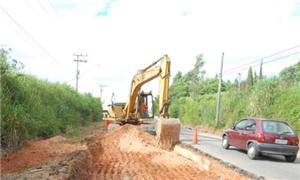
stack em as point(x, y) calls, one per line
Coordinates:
point(277, 127)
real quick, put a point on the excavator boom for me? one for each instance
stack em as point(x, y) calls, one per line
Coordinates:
point(167, 130)
point(142, 77)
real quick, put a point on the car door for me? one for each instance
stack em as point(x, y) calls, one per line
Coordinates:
point(247, 133)
point(234, 135)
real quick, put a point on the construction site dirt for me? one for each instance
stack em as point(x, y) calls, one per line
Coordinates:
point(124, 153)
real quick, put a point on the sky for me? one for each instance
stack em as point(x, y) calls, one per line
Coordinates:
point(123, 36)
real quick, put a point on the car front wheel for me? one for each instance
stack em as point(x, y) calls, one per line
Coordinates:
point(291, 158)
point(252, 151)
point(225, 143)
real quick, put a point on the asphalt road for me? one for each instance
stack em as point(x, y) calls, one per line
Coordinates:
point(269, 167)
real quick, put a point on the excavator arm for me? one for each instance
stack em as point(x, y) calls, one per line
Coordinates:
point(142, 77)
point(167, 129)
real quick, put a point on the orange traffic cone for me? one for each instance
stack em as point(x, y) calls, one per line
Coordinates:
point(195, 139)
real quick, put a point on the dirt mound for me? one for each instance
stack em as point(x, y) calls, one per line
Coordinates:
point(129, 153)
point(36, 153)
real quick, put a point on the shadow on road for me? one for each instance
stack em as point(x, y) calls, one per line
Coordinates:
point(275, 158)
point(266, 157)
point(200, 139)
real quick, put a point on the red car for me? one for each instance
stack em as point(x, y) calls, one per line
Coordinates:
point(263, 136)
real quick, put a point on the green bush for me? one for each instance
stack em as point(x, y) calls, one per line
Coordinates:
point(264, 94)
point(287, 106)
point(37, 108)
point(274, 98)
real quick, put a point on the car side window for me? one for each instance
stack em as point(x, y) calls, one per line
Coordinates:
point(241, 125)
point(251, 125)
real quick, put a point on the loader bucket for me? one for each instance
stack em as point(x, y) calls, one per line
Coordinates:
point(167, 132)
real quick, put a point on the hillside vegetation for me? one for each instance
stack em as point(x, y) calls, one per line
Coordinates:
point(31, 107)
point(193, 97)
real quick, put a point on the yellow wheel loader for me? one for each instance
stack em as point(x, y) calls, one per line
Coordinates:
point(138, 109)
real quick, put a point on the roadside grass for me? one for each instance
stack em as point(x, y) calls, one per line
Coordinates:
point(35, 108)
point(268, 99)
point(78, 133)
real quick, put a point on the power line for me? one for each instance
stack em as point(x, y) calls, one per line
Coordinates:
point(265, 62)
point(31, 8)
point(30, 37)
point(249, 63)
point(90, 69)
point(43, 7)
point(53, 7)
point(87, 71)
point(282, 57)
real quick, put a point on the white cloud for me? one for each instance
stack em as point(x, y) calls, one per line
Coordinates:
point(138, 32)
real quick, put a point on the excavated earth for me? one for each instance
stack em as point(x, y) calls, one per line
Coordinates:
point(128, 153)
point(124, 153)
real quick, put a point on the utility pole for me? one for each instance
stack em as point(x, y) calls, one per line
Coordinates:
point(77, 60)
point(218, 112)
point(101, 90)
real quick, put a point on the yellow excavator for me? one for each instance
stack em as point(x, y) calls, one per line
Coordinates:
point(139, 108)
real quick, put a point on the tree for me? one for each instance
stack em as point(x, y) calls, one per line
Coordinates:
point(255, 77)
point(203, 72)
point(7, 64)
point(236, 83)
point(249, 81)
point(291, 74)
point(180, 87)
point(177, 77)
point(193, 75)
point(208, 86)
point(195, 72)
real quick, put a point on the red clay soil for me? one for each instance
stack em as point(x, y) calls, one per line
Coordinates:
point(125, 153)
point(36, 153)
point(129, 153)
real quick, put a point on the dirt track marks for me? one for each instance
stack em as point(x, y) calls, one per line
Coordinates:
point(128, 153)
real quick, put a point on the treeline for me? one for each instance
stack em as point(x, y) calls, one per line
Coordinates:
point(31, 107)
point(193, 97)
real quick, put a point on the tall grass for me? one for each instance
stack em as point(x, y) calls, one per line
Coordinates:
point(31, 107)
point(268, 99)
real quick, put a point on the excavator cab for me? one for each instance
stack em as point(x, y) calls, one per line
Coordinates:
point(145, 105)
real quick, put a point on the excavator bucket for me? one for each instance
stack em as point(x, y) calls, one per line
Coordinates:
point(167, 132)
